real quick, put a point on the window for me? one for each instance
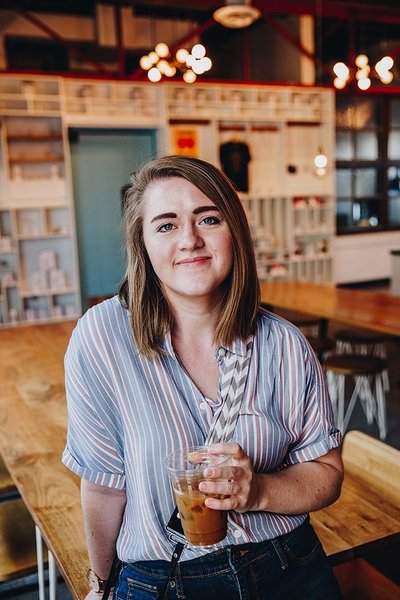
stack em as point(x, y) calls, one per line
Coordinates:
point(367, 163)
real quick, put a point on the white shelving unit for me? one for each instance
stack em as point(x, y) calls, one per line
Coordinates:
point(38, 260)
point(291, 209)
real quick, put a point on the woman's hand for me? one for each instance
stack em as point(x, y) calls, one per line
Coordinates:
point(236, 481)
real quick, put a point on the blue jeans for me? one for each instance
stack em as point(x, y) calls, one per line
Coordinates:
point(293, 566)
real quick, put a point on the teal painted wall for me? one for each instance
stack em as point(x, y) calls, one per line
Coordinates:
point(101, 163)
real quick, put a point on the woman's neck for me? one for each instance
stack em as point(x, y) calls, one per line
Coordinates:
point(196, 326)
point(194, 321)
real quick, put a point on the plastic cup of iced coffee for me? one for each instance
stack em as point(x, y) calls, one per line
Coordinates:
point(201, 525)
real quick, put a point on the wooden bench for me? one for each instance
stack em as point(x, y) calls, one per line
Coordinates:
point(359, 580)
point(378, 465)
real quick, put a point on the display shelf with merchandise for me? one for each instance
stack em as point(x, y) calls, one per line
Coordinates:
point(88, 101)
point(29, 95)
point(36, 221)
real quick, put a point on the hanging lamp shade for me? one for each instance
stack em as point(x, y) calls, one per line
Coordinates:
point(236, 14)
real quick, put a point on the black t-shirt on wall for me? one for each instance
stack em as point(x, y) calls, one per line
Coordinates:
point(235, 157)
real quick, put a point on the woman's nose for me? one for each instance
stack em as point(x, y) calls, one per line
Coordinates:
point(190, 238)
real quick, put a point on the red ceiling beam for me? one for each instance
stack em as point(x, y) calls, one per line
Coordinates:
point(332, 8)
point(56, 36)
point(344, 10)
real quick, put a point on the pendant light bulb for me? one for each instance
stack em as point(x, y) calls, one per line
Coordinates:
point(341, 70)
point(162, 50)
point(361, 61)
point(154, 75)
point(320, 161)
point(364, 83)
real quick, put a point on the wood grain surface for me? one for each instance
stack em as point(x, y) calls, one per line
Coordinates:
point(33, 422)
point(376, 311)
point(368, 511)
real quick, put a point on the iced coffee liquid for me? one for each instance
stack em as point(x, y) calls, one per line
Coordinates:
point(202, 526)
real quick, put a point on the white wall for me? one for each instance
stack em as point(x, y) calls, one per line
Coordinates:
point(364, 257)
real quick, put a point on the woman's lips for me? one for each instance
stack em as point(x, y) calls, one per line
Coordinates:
point(196, 260)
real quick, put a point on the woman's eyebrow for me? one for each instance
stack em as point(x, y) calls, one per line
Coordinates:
point(170, 215)
point(201, 209)
point(197, 211)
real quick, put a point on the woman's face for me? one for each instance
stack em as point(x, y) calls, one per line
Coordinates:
point(187, 239)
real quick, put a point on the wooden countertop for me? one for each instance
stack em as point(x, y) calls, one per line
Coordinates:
point(376, 311)
point(33, 420)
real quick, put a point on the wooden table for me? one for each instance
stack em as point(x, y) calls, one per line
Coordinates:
point(375, 311)
point(33, 421)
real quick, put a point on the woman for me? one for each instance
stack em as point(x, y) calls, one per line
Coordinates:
point(142, 379)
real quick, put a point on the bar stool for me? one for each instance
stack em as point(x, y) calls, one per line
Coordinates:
point(321, 346)
point(310, 326)
point(367, 372)
point(363, 342)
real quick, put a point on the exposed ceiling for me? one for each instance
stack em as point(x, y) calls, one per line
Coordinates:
point(342, 26)
point(369, 10)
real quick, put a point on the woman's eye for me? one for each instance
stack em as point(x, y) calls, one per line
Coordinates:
point(165, 227)
point(211, 220)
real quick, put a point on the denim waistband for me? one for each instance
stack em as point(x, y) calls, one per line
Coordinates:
point(239, 555)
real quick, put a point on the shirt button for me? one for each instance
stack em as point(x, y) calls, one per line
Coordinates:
point(237, 533)
point(172, 583)
point(203, 406)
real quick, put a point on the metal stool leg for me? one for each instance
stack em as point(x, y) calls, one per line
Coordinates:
point(381, 404)
point(40, 566)
point(332, 387)
point(341, 389)
point(354, 397)
point(380, 352)
point(52, 577)
point(367, 400)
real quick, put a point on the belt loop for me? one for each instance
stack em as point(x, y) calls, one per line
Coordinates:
point(229, 554)
point(281, 554)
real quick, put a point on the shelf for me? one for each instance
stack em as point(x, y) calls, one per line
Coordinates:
point(41, 236)
point(310, 258)
point(35, 138)
point(35, 159)
point(312, 233)
point(40, 293)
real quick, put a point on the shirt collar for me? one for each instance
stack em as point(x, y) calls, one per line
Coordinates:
point(238, 346)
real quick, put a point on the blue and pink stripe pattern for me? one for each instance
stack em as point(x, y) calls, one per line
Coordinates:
point(126, 413)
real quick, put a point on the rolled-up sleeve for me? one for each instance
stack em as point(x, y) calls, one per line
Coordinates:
point(317, 433)
point(94, 448)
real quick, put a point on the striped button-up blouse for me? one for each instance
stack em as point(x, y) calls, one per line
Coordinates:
point(127, 413)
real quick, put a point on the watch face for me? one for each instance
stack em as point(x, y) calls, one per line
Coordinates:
point(93, 581)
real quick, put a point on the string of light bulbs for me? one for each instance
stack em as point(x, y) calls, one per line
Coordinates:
point(160, 62)
point(364, 72)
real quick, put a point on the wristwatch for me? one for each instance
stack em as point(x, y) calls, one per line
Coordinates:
point(95, 583)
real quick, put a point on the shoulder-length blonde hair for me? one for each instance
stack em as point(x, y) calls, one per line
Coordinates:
point(141, 291)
